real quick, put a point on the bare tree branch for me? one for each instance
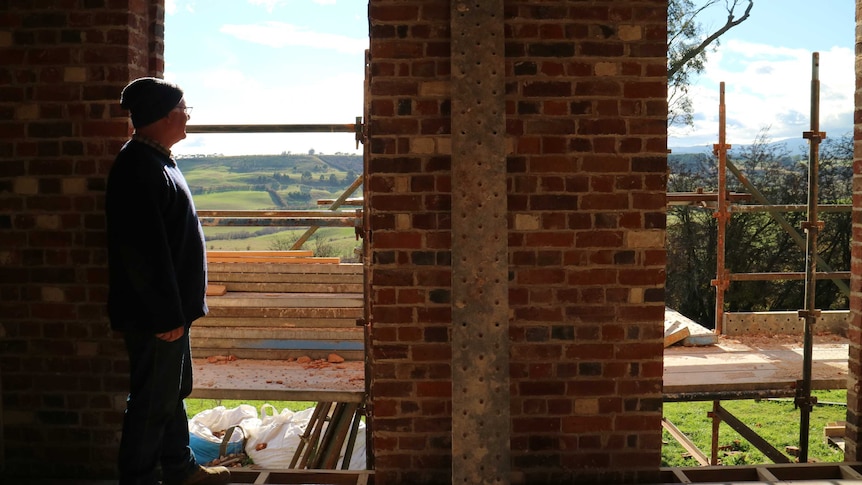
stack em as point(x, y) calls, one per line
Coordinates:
point(692, 53)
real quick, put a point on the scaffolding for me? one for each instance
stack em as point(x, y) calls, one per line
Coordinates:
point(725, 205)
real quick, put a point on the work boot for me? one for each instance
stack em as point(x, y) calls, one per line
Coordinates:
point(213, 475)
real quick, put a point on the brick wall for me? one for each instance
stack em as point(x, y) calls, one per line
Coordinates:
point(63, 372)
point(585, 130)
point(586, 110)
point(853, 451)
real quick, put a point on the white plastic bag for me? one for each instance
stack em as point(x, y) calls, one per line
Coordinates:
point(220, 431)
point(273, 443)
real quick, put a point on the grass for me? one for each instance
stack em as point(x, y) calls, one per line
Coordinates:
point(234, 200)
point(342, 239)
point(775, 420)
point(195, 406)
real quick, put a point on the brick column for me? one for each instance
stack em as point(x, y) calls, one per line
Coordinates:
point(585, 142)
point(853, 446)
point(64, 373)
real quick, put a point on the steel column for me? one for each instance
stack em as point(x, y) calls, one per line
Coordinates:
point(812, 227)
point(480, 335)
point(721, 215)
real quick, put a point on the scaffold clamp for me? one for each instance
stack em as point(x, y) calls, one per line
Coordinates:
point(811, 135)
point(808, 313)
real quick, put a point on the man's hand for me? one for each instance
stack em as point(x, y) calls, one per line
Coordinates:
point(171, 335)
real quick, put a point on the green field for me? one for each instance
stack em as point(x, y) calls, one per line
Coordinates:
point(271, 182)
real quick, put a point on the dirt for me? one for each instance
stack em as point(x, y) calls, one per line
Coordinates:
point(765, 341)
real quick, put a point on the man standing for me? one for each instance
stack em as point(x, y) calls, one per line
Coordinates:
point(157, 287)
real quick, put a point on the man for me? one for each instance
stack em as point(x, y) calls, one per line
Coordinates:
point(157, 276)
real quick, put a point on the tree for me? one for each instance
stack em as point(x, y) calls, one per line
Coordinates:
point(755, 242)
point(687, 48)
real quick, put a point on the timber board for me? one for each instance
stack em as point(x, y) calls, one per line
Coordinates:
point(283, 277)
point(290, 253)
point(286, 355)
point(279, 261)
point(754, 364)
point(287, 300)
point(277, 323)
point(257, 333)
point(282, 312)
point(289, 287)
point(343, 268)
point(279, 380)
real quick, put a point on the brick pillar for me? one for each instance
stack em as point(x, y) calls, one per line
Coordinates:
point(853, 446)
point(585, 100)
point(64, 373)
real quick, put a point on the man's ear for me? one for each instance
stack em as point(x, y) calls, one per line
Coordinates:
point(171, 117)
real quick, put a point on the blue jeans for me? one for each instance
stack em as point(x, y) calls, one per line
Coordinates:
point(155, 426)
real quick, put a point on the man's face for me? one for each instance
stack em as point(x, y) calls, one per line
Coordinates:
point(178, 118)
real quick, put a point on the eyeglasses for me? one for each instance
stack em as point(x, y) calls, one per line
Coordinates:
point(185, 109)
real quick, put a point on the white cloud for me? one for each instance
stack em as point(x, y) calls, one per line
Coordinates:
point(768, 86)
point(280, 34)
point(171, 6)
point(229, 96)
point(270, 5)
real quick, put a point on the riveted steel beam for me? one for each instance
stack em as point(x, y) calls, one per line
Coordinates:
point(480, 340)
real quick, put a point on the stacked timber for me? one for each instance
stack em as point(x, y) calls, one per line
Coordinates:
point(280, 305)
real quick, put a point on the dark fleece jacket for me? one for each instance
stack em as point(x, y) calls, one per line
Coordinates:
point(156, 250)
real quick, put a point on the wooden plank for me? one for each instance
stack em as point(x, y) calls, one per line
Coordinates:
point(287, 300)
point(749, 434)
point(281, 380)
point(286, 355)
point(834, 429)
point(276, 323)
point(686, 443)
point(337, 221)
point(276, 287)
point(269, 260)
point(284, 277)
point(283, 394)
point(216, 290)
point(283, 312)
point(763, 474)
point(674, 331)
point(257, 333)
point(276, 214)
point(849, 473)
point(353, 201)
point(680, 475)
point(292, 253)
point(292, 477)
point(274, 344)
point(698, 334)
point(342, 268)
point(730, 367)
point(784, 473)
point(290, 300)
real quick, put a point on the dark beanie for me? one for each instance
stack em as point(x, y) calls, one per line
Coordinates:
point(150, 99)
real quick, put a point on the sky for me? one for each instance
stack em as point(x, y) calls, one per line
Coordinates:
point(268, 62)
point(302, 62)
point(766, 65)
